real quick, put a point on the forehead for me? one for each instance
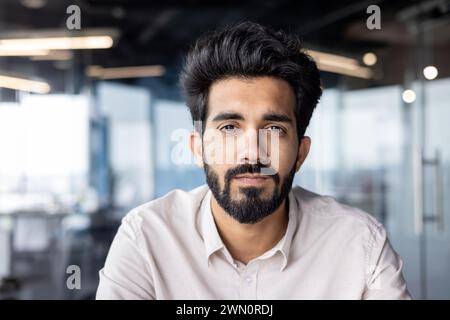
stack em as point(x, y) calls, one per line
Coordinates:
point(251, 97)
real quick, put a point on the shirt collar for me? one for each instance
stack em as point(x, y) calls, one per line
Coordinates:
point(209, 231)
point(213, 241)
point(286, 241)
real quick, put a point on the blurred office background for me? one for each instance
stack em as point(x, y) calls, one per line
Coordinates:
point(92, 124)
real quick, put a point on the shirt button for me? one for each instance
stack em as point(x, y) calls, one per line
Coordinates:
point(248, 280)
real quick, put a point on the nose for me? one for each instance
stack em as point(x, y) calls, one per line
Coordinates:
point(249, 148)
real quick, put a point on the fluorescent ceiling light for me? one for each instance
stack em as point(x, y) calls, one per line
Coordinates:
point(23, 84)
point(355, 71)
point(125, 72)
point(56, 43)
point(21, 53)
point(340, 64)
point(38, 54)
point(62, 55)
point(331, 58)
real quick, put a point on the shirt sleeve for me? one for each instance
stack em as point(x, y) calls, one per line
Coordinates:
point(385, 280)
point(126, 274)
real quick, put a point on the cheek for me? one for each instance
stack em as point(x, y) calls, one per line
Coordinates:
point(212, 149)
point(283, 156)
point(219, 149)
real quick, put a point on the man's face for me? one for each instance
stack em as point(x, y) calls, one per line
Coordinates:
point(250, 145)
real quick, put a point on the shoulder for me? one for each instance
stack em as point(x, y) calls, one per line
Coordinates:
point(325, 212)
point(175, 209)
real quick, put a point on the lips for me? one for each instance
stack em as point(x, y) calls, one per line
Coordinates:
point(251, 179)
point(251, 176)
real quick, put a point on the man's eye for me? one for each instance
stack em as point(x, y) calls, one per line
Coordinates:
point(275, 129)
point(229, 128)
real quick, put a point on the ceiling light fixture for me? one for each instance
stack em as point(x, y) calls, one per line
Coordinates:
point(56, 43)
point(125, 72)
point(17, 83)
point(339, 64)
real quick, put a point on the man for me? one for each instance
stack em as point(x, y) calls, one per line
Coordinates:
point(248, 234)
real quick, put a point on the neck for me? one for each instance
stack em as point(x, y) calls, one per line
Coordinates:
point(248, 241)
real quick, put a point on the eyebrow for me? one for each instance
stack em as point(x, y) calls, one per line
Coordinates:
point(277, 117)
point(228, 116)
point(271, 116)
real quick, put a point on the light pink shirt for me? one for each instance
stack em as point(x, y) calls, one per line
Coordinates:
point(170, 248)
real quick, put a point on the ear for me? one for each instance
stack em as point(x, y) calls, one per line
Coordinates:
point(195, 144)
point(303, 150)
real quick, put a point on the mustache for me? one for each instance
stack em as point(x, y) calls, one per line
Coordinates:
point(251, 169)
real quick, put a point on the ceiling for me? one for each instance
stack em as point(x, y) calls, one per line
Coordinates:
point(156, 32)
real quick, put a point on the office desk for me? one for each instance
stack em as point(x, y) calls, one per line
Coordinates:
point(14, 236)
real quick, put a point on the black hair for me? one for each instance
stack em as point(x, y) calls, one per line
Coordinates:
point(250, 50)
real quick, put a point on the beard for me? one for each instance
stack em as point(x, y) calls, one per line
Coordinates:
point(252, 207)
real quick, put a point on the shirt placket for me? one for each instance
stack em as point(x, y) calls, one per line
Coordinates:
point(248, 281)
